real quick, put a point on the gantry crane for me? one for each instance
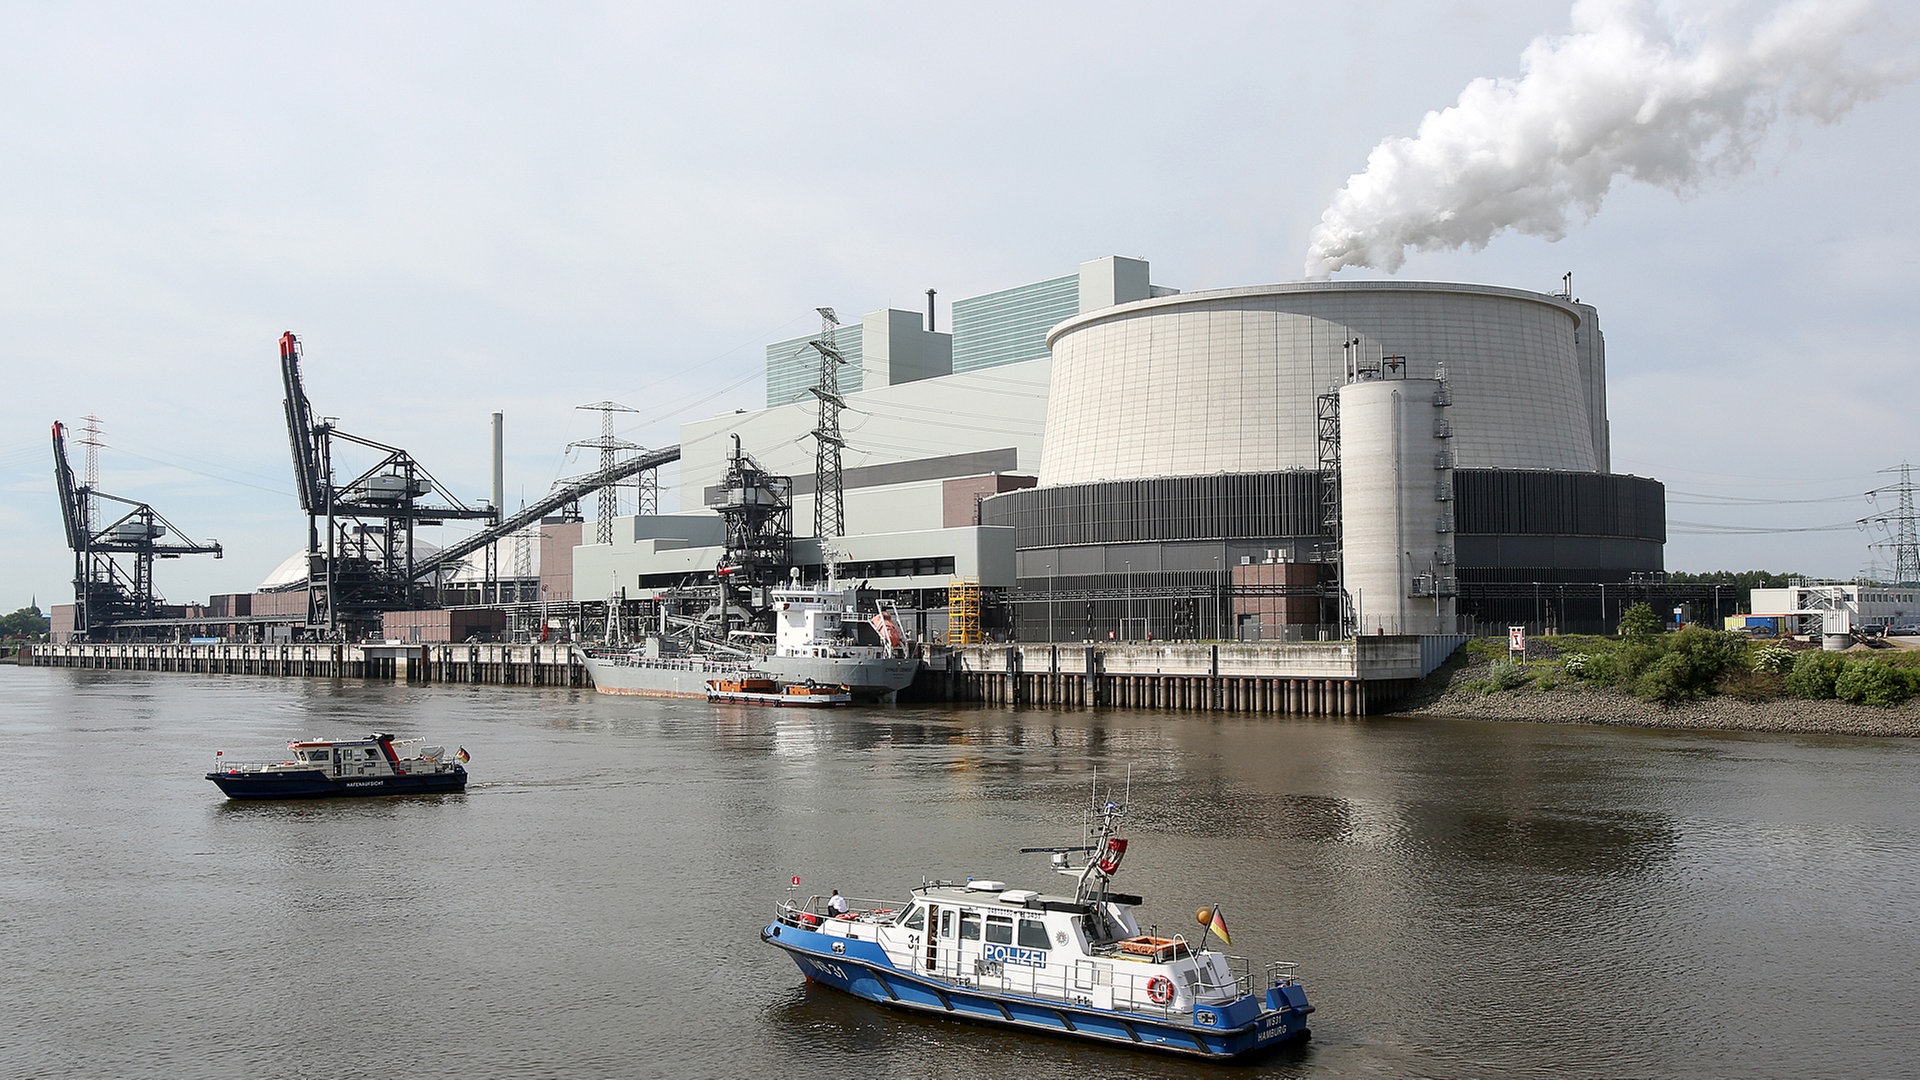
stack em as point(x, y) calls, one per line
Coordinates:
point(360, 533)
point(105, 591)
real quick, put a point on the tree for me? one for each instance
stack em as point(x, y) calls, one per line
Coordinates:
point(28, 622)
point(1639, 621)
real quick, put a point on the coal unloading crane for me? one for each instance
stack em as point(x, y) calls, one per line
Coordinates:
point(360, 534)
point(105, 591)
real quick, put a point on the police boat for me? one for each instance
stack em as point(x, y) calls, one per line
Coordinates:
point(1077, 966)
point(379, 764)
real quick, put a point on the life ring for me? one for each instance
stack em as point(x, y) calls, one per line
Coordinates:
point(1160, 989)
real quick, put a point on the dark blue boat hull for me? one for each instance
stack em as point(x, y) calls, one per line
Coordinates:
point(315, 784)
point(861, 968)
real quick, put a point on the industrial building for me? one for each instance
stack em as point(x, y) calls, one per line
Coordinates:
point(1110, 459)
point(1837, 613)
point(1088, 457)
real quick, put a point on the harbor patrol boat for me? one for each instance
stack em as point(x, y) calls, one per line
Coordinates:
point(376, 765)
point(1074, 965)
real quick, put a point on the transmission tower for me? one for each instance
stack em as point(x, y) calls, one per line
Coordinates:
point(1903, 538)
point(829, 505)
point(609, 448)
point(93, 444)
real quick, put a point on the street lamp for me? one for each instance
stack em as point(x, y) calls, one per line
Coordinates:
point(1126, 613)
point(1049, 603)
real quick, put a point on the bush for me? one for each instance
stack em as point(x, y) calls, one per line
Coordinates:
point(1814, 674)
point(1639, 621)
point(1632, 657)
point(1870, 682)
point(1772, 659)
point(1689, 666)
point(1576, 664)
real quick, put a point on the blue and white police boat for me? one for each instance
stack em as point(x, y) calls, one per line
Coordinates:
point(320, 768)
point(1075, 965)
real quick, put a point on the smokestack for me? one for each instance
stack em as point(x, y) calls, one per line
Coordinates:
point(499, 459)
point(929, 311)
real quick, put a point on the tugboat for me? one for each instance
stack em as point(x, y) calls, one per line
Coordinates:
point(322, 768)
point(1066, 965)
point(753, 688)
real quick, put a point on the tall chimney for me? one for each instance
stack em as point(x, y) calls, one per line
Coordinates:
point(499, 463)
point(930, 326)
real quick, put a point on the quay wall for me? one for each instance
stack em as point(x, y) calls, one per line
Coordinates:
point(509, 665)
point(1355, 677)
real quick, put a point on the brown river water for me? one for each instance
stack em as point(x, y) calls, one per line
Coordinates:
point(1465, 899)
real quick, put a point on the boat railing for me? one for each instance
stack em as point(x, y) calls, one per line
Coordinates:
point(1132, 991)
point(813, 913)
point(1282, 973)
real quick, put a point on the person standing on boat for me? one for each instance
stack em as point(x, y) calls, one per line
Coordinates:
point(836, 905)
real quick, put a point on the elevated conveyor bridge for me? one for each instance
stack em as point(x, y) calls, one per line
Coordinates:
point(570, 492)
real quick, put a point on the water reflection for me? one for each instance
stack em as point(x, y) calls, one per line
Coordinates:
point(1465, 899)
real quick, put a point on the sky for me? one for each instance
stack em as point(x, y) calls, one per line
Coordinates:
point(474, 207)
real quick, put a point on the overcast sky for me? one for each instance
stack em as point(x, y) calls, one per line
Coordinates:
point(464, 208)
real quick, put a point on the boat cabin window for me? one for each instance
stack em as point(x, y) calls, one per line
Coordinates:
point(1000, 929)
point(368, 751)
point(1033, 934)
point(969, 926)
point(917, 919)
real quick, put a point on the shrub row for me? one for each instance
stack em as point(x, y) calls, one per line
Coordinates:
point(1695, 662)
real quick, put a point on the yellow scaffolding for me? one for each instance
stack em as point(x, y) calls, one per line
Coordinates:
point(963, 611)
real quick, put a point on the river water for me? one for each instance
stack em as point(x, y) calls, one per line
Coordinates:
point(1464, 898)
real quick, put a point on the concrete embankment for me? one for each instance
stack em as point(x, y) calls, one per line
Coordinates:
point(1446, 694)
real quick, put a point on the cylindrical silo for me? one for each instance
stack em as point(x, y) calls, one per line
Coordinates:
point(1396, 505)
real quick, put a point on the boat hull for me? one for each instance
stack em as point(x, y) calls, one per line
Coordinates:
point(314, 784)
point(779, 700)
point(861, 968)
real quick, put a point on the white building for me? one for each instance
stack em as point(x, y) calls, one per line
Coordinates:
point(1838, 609)
point(1122, 459)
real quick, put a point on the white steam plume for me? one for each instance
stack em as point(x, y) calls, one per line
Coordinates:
point(1635, 89)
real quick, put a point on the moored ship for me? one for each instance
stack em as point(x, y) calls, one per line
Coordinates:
point(758, 690)
point(819, 636)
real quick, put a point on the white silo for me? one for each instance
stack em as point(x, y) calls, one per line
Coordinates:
point(1396, 504)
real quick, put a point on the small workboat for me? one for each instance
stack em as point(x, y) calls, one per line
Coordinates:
point(1077, 965)
point(753, 688)
point(376, 765)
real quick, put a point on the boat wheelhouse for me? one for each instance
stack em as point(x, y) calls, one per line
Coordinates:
point(379, 764)
point(1075, 965)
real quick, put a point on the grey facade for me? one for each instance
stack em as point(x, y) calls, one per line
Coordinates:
point(1156, 551)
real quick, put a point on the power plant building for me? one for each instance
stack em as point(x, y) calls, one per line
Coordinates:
point(1112, 459)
